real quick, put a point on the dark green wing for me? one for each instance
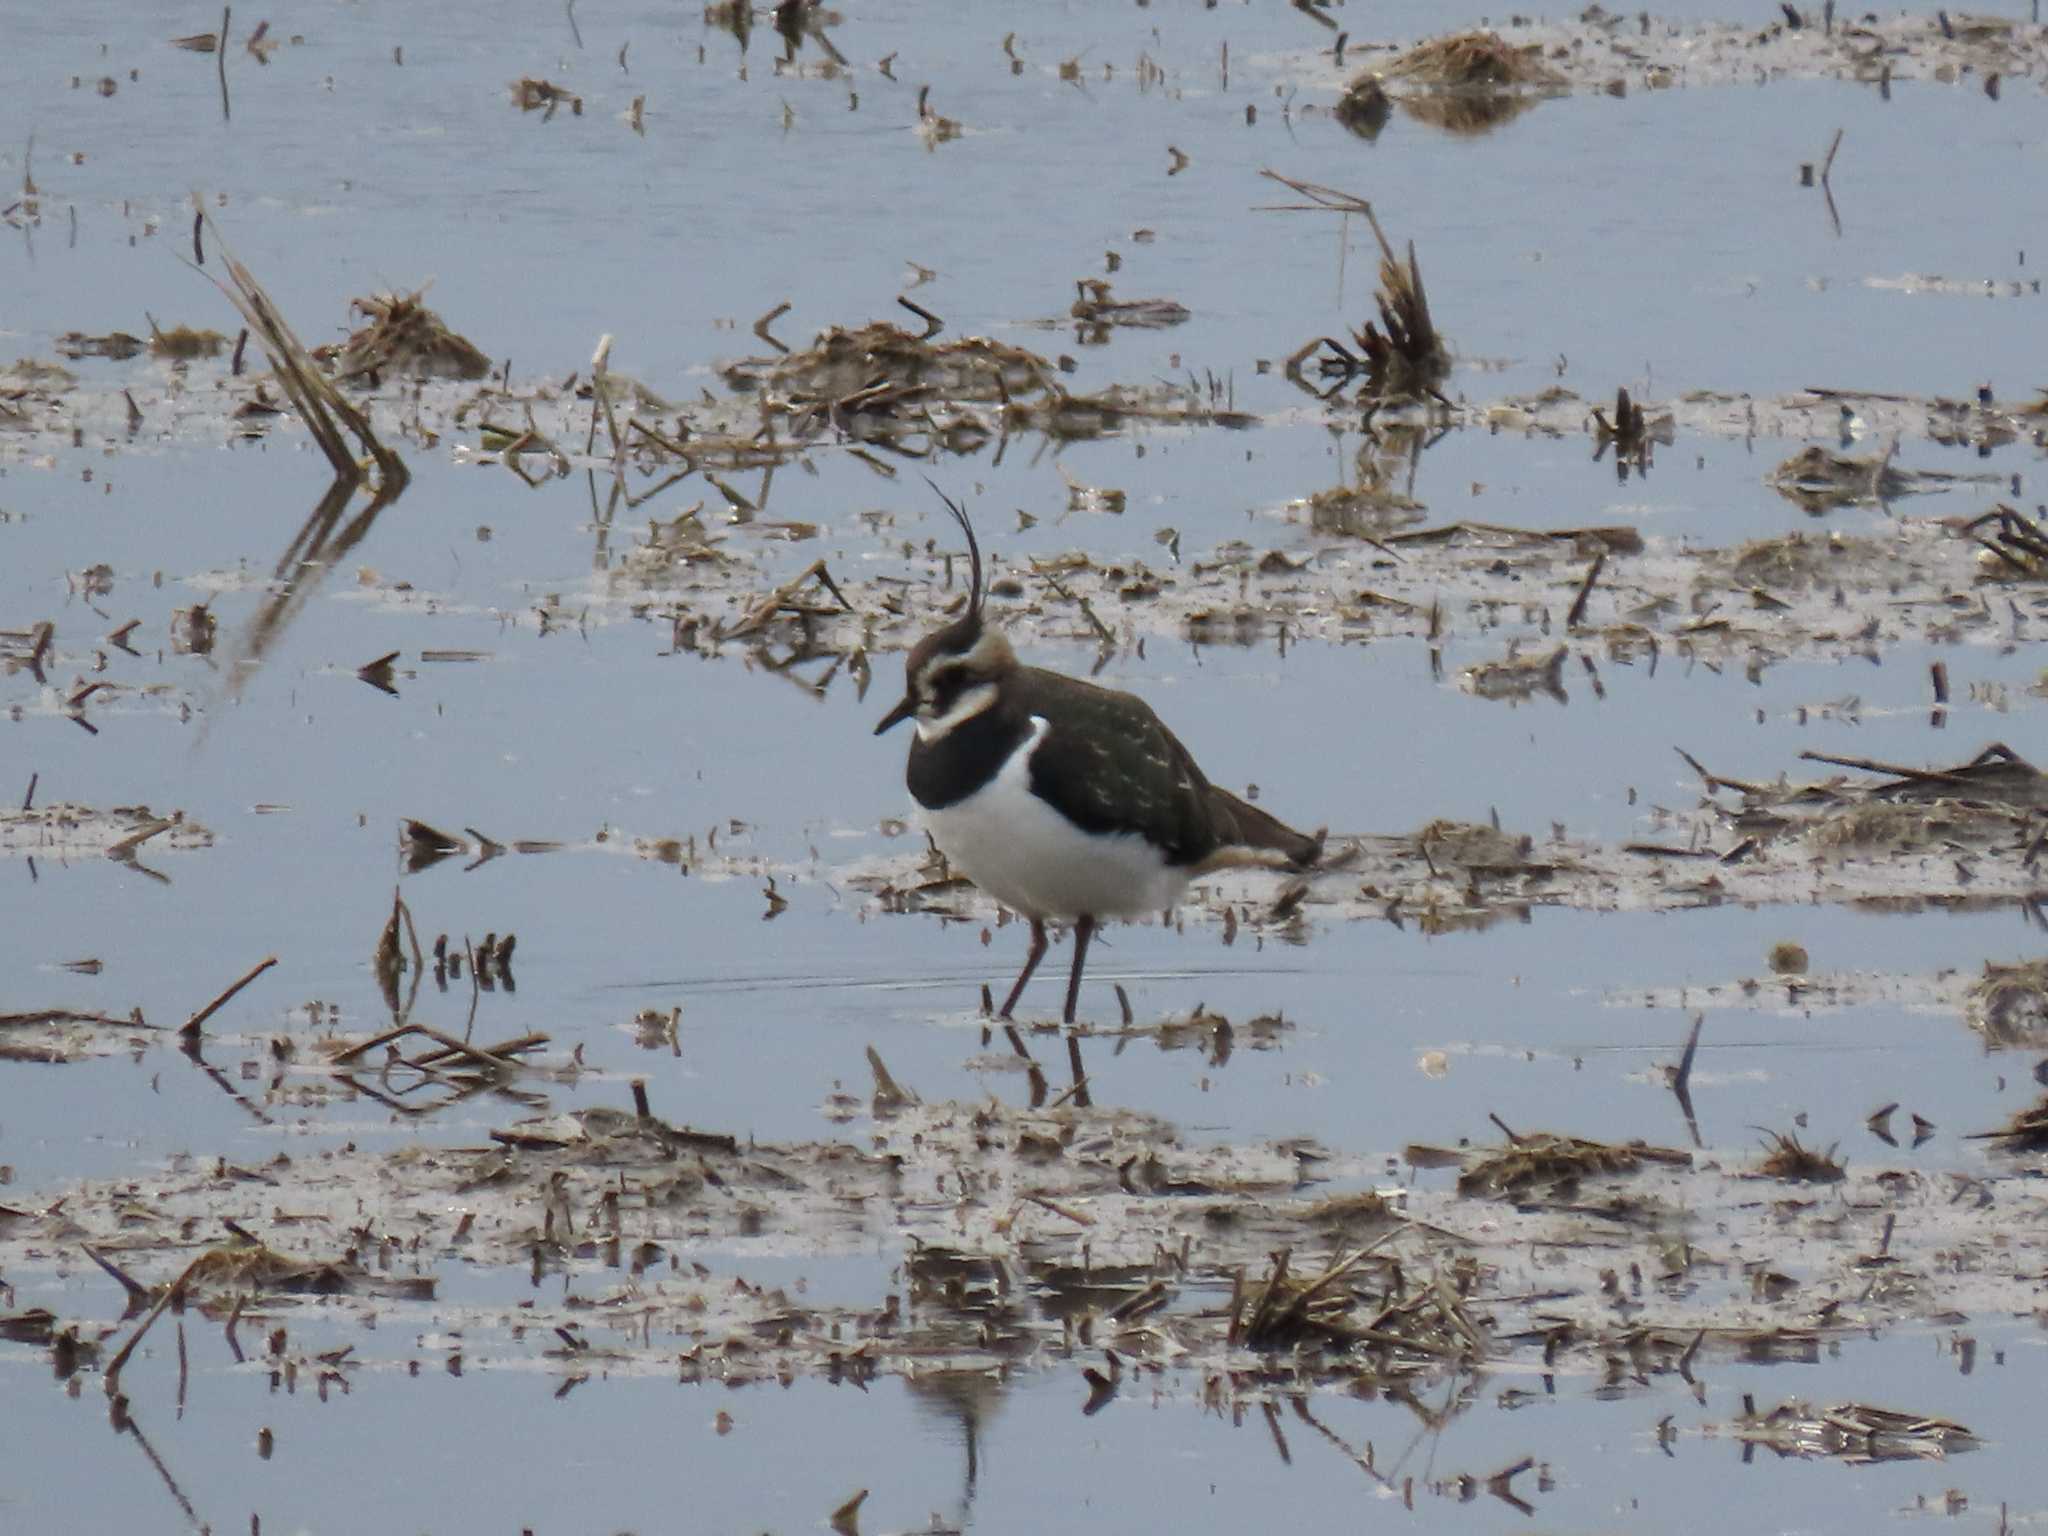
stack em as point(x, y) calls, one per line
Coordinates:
point(1109, 765)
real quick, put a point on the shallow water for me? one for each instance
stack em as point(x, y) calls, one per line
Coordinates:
point(1660, 240)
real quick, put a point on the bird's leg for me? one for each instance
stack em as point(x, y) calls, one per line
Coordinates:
point(1030, 964)
point(1084, 930)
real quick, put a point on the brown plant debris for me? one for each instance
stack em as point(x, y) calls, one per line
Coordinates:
point(2026, 1131)
point(1787, 959)
point(1097, 307)
point(1855, 1432)
point(1473, 59)
point(117, 345)
point(1023, 1235)
point(1600, 49)
point(1632, 432)
point(1406, 359)
point(405, 338)
point(183, 342)
point(2008, 1005)
point(62, 830)
point(1820, 480)
point(2014, 546)
point(1786, 1159)
point(1519, 677)
point(1381, 500)
point(1407, 1320)
point(1365, 107)
point(880, 368)
point(1541, 1164)
point(323, 408)
point(530, 94)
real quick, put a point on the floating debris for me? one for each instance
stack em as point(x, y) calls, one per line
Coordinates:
point(182, 343)
point(1547, 1166)
point(1095, 307)
point(1518, 678)
point(64, 831)
point(118, 345)
point(2027, 1131)
point(1787, 959)
point(406, 339)
point(1819, 480)
point(534, 95)
point(1853, 1432)
point(1401, 355)
point(1788, 1160)
point(2008, 1005)
point(1473, 59)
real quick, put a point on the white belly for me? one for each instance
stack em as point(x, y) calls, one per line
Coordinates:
point(1031, 859)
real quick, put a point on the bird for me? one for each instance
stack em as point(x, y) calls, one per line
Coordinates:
point(1065, 801)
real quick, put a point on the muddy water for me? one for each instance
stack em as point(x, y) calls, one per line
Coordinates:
point(1659, 239)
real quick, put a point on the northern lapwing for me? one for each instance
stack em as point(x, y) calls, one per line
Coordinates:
point(1064, 801)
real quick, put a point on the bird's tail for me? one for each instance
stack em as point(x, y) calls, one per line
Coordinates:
point(1243, 825)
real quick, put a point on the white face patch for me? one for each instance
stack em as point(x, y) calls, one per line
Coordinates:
point(965, 708)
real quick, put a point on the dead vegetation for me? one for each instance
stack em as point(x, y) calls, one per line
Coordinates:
point(1401, 356)
point(405, 339)
point(2014, 545)
point(1406, 1324)
point(530, 94)
point(1519, 677)
point(1818, 480)
point(1408, 358)
point(1789, 1161)
point(326, 412)
point(1542, 1166)
point(183, 343)
point(1467, 84)
point(1381, 496)
point(60, 830)
point(1097, 310)
point(2008, 1005)
point(1853, 1432)
point(1615, 52)
point(1471, 60)
point(2026, 1131)
point(1088, 1227)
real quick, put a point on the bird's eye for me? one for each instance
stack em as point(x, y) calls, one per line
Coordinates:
point(943, 685)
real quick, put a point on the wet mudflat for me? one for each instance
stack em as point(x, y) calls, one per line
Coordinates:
point(474, 997)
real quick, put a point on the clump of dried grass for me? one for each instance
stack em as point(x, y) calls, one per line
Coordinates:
point(1789, 1160)
point(881, 368)
point(405, 337)
point(1791, 561)
point(2008, 1004)
point(1343, 1213)
point(1819, 479)
point(324, 409)
point(182, 343)
point(1473, 59)
point(1405, 357)
point(1856, 1432)
point(1429, 1319)
point(2026, 1131)
point(530, 94)
point(1557, 1164)
point(1885, 824)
